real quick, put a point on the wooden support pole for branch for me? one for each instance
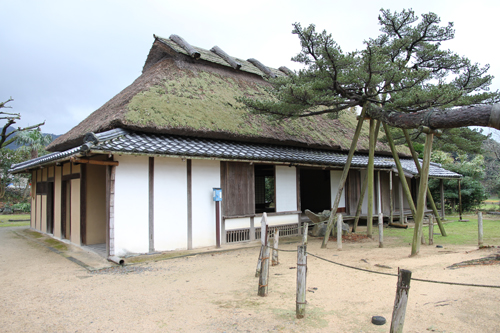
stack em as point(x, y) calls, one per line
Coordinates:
point(429, 195)
point(402, 177)
point(480, 229)
point(264, 273)
point(370, 169)
point(431, 229)
point(399, 310)
point(300, 300)
point(275, 260)
point(343, 178)
point(339, 231)
point(380, 230)
point(422, 192)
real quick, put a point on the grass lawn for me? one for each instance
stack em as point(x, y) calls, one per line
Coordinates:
point(4, 220)
point(457, 232)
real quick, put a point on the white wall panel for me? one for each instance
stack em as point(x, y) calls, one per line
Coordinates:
point(131, 205)
point(278, 220)
point(238, 223)
point(205, 176)
point(170, 204)
point(335, 176)
point(286, 189)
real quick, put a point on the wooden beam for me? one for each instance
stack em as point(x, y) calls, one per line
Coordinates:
point(83, 204)
point(189, 205)
point(89, 161)
point(151, 200)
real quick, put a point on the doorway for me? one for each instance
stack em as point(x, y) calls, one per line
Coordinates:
point(315, 190)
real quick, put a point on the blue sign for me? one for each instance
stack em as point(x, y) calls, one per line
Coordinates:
point(217, 194)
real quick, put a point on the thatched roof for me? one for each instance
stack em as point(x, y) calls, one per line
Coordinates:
point(192, 91)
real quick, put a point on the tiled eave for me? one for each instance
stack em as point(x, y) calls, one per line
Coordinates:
point(119, 141)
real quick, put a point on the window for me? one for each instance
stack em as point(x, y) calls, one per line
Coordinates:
point(265, 199)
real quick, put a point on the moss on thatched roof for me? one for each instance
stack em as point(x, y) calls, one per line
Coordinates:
point(179, 95)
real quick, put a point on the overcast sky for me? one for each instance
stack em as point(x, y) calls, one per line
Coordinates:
point(61, 60)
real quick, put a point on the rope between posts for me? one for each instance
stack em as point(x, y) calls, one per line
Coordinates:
point(415, 279)
point(391, 274)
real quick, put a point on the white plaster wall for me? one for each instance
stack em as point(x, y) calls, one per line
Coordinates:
point(170, 204)
point(131, 205)
point(239, 223)
point(205, 175)
point(286, 188)
point(335, 176)
point(278, 220)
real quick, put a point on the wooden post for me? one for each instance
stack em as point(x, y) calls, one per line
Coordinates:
point(371, 157)
point(305, 232)
point(263, 241)
point(459, 200)
point(275, 246)
point(354, 145)
point(422, 192)
point(339, 231)
point(300, 308)
point(401, 204)
point(399, 310)
point(264, 273)
point(480, 228)
point(380, 230)
point(391, 199)
point(441, 188)
point(429, 195)
point(422, 237)
point(431, 229)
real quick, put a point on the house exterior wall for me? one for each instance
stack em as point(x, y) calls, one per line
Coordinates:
point(131, 223)
point(57, 201)
point(170, 203)
point(286, 188)
point(335, 176)
point(205, 176)
point(96, 204)
point(33, 200)
point(75, 212)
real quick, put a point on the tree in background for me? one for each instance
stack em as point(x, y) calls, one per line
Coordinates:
point(472, 190)
point(33, 142)
point(403, 78)
point(7, 137)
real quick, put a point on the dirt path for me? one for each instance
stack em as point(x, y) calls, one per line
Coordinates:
point(41, 291)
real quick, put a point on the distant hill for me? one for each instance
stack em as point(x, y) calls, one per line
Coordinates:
point(14, 145)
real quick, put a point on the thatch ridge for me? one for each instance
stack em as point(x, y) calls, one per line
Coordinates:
point(179, 95)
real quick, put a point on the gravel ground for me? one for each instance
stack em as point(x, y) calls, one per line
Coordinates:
point(42, 291)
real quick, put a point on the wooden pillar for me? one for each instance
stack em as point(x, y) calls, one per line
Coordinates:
point(252, 229)
point(300, 300)
point(371, 157)
point(83, 204)
point(304, 234)
point(401, 204)
point(379, 194)
point(151, 189)
point(441, 190)
point(459, 200)
point(422, 192)
point(391, 199)
point(189, 206)
point(431, 229)
point(354, 144)
point(380, 230)
point(264, 273)
point(480, 229)
point(339, 231)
